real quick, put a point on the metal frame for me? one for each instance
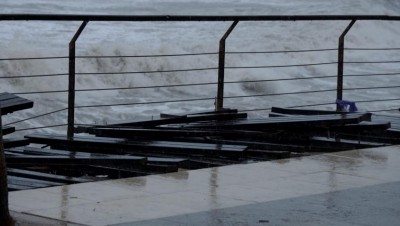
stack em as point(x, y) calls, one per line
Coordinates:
point(188, 18)
point(71, 81)
point(339, 87)
point(219, 105)
point(65, 17)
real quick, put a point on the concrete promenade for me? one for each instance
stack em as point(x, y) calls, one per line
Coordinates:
point(359, 187)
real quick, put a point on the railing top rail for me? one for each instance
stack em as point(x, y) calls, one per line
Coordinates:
point(138, 18)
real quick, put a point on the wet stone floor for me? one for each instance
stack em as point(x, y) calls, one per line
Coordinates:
point(359, 187)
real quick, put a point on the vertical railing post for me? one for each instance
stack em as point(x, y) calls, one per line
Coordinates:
point(339, 88)
point(219, 105)
point(71, 82)
point(4, 210)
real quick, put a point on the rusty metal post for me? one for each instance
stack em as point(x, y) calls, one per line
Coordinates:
point(219, 105)
point(71, 81)
point(339, 88)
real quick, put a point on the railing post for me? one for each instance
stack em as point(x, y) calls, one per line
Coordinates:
point(219, 105)
point(71, 81)
point(4, 210)
point(339, 88)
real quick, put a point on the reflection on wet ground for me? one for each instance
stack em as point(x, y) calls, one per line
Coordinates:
point(341, 186)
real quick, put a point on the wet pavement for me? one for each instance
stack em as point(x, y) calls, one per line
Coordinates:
point(371, 205)
point(359, 187)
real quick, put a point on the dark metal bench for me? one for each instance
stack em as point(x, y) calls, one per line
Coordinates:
point(33, 151)
point(15, 142)
point(10, 103)
point(163, 120)
point(293, 111)
point(286, 122)
point(115, 144)
point(8, 130)
point(48, 160)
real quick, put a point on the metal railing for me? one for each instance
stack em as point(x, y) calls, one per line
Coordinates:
point(219, 100)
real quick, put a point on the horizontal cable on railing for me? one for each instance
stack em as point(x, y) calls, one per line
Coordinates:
point(41, 127)
point(34, 58)
point(142, 103)
point(33, 76)
point(279, 94)
point(41, 92)
point(277, 66)
point(312, 64)
point(116, 88)
point(147, 56)
point(145, 72)
point(200, 69)
point(199, 54)
point(393, 109)
point(372, 49)
point(281, 51)
point(171, 85)
point(36, 116)
point(147, 87)
point(376, 100)
point(376, 87)
point(308, 50)
point(281, 79)
point(380, 74)
point(299, 106)
point(210, 53)
point(372, 62)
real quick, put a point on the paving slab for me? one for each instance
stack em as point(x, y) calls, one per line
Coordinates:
point(359, 187)
point(356, 206)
